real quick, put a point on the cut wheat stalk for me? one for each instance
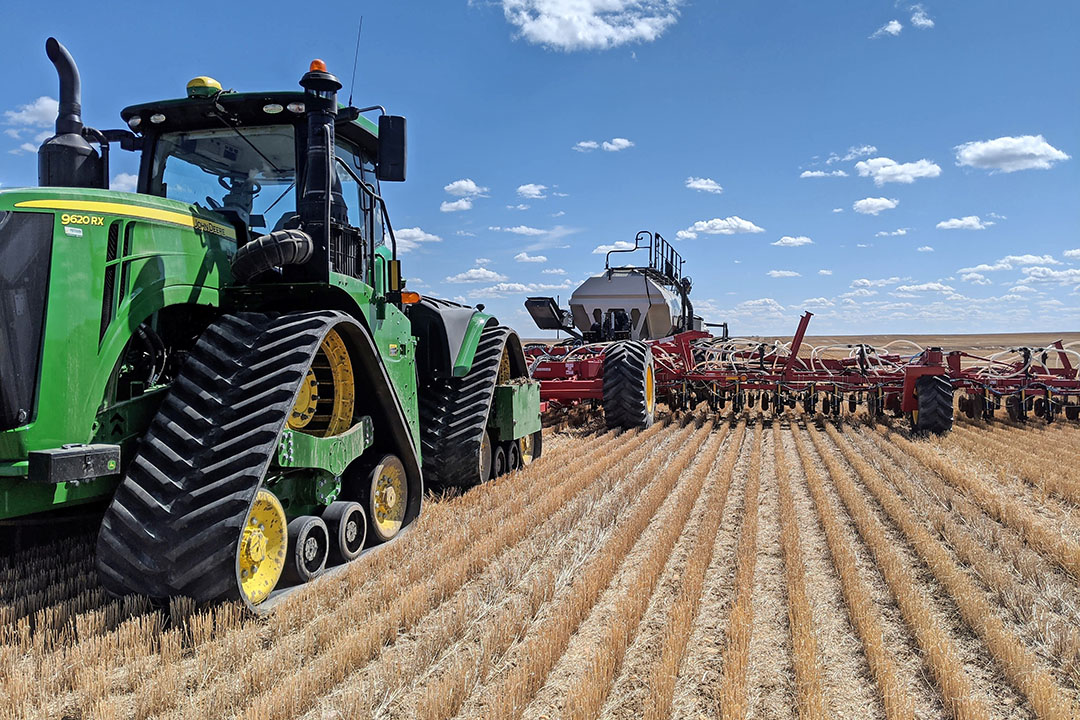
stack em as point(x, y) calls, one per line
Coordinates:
point(605, 656)
point(864, 613)
point(939, 650)
point(1036, 531)
point(541, 650)
point(1019, 664)
point(806, 656)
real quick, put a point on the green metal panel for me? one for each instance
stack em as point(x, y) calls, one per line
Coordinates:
point(515, 410)
point(464, 360)
point(332, 454)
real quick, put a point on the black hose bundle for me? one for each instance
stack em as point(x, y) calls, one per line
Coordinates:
point(279, 248)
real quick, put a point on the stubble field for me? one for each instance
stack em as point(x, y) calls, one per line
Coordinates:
point(702, 568)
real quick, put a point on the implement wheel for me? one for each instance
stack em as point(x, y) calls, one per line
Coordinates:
point(934, 394)
point(629, 385)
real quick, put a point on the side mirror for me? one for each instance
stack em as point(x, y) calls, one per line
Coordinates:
point(391, 166)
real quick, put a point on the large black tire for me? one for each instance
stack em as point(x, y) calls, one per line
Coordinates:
point(629, 390)
point(454, 412)
point(934, 394)
point(175, 521)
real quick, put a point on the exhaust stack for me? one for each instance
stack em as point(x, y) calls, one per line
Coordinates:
point(67, 159)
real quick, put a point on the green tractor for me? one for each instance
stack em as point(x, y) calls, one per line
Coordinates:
point(228, 360)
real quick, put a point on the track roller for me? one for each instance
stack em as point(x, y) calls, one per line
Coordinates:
point(498, 462)
point(309, 547)
point(513, 457)
point(347, 524)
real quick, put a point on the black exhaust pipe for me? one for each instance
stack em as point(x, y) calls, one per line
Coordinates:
point(67, 159)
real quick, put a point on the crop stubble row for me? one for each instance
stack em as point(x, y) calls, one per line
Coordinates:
point(576, 588)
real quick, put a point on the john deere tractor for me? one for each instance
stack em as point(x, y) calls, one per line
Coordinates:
point(228, 360)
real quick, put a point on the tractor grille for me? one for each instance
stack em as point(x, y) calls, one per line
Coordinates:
point(25, 250)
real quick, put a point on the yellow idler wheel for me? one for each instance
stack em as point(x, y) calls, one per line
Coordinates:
point(324, 405)
point(388, 497)
point(260, 555)
point(530, 446)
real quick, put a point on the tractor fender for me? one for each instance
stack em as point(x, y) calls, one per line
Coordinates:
point(447, 334)
point(387, 407)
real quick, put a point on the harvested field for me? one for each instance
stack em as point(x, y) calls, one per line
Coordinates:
point(703, 568)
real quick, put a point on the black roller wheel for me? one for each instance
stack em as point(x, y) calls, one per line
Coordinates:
point(309, 546)
point(1072, 412)
point(454, 412)
point(498, 462)
point(629, 385)
point(934, 395)
point(385, 496)
point(513, 457)
point(347, 524)
point(532, 447)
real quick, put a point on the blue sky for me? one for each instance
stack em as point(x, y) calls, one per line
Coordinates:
point(939, 140)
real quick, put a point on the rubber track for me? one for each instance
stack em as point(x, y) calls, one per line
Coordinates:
point(935, 395)
point(624, 385)
point(454, 415)
point(175, 520)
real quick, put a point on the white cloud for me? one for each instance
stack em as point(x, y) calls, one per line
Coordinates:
point(482, 261)
point(590, 24)
point(456, 205)
point(39, 113)
point(891, 28)
point(704, 185)
point(527, 258)
point(476, 274)
point(410, 238)
point(1009, 154)
point(24, 148)
point(872, 206)
point(1011, 261)
point(924, 248)
point(558, 214)
point(504, 289)
point(782, 274)
point(824, 272)
point(616, 144)
point(465, 188)
point(968, 222)
point(976, 278)
point(519, 230)
point(883, 170)
point(822, 173)
point(519, 206)
point(1072, 254)
point(924, 287)
point(895, 233)
point(464, 233)
point(617, 245)
point(124, 182)
point(1040, 273)
point(788, 241)
point(838, 210)
point(553, 271)
point(532, 191)
point(586, 146)
point(719, 226)
point(817, 302)
point(853, 153)
point(13, 133)
point(868, 283)
point(919, 18)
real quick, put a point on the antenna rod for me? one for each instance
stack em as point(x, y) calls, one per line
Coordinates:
point(356, 54)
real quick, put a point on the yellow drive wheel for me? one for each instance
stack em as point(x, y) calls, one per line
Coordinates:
point(388, 497)
point(260, 555)
point(327, 396)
